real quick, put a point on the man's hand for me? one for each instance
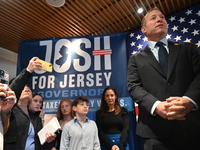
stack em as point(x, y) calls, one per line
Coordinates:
point(178, 107)
point(162, 109)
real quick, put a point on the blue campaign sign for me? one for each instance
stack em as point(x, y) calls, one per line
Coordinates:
point(82, 66)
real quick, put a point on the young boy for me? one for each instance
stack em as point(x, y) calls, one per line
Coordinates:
point(80, 133)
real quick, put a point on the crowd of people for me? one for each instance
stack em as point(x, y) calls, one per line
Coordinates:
point(24, 122)
point(23, 118)
point(163, 79)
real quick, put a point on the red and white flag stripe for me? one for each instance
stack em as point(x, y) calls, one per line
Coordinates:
point(102, 52)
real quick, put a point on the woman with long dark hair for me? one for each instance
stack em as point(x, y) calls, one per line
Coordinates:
point(112, 122)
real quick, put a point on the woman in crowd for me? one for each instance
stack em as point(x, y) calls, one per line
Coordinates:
point(64, 115)
point(22, 132)
point(24, 126)
point(36, 105)
point(112, 122)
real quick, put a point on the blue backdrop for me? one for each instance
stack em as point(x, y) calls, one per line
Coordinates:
point(82, 66)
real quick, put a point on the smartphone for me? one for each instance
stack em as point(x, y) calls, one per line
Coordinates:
point(4, 79)
point(4, 76)
point(45, 65)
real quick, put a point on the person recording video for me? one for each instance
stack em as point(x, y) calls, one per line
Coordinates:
point(23, 128)
point(7, 101)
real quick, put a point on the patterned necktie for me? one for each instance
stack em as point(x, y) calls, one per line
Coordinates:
point(163, 57)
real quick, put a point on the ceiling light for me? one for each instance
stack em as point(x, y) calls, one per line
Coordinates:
point(56, 3)
point(140, 10)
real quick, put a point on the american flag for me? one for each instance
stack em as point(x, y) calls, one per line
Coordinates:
point(182, 27)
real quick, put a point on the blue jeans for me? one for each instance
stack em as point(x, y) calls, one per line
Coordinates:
point(115, 140)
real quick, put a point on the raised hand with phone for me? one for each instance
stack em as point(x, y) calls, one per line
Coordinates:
point(37, 64)
point(34, 65)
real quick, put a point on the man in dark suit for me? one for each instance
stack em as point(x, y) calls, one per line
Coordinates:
point(169, 96)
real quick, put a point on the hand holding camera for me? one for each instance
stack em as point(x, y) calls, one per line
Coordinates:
point(8, 98)
point(6, 94)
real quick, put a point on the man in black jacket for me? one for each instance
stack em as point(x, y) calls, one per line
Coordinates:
point(168, 97)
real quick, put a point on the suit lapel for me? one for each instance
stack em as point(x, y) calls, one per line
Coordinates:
point(174, 49)
point(148, 55)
